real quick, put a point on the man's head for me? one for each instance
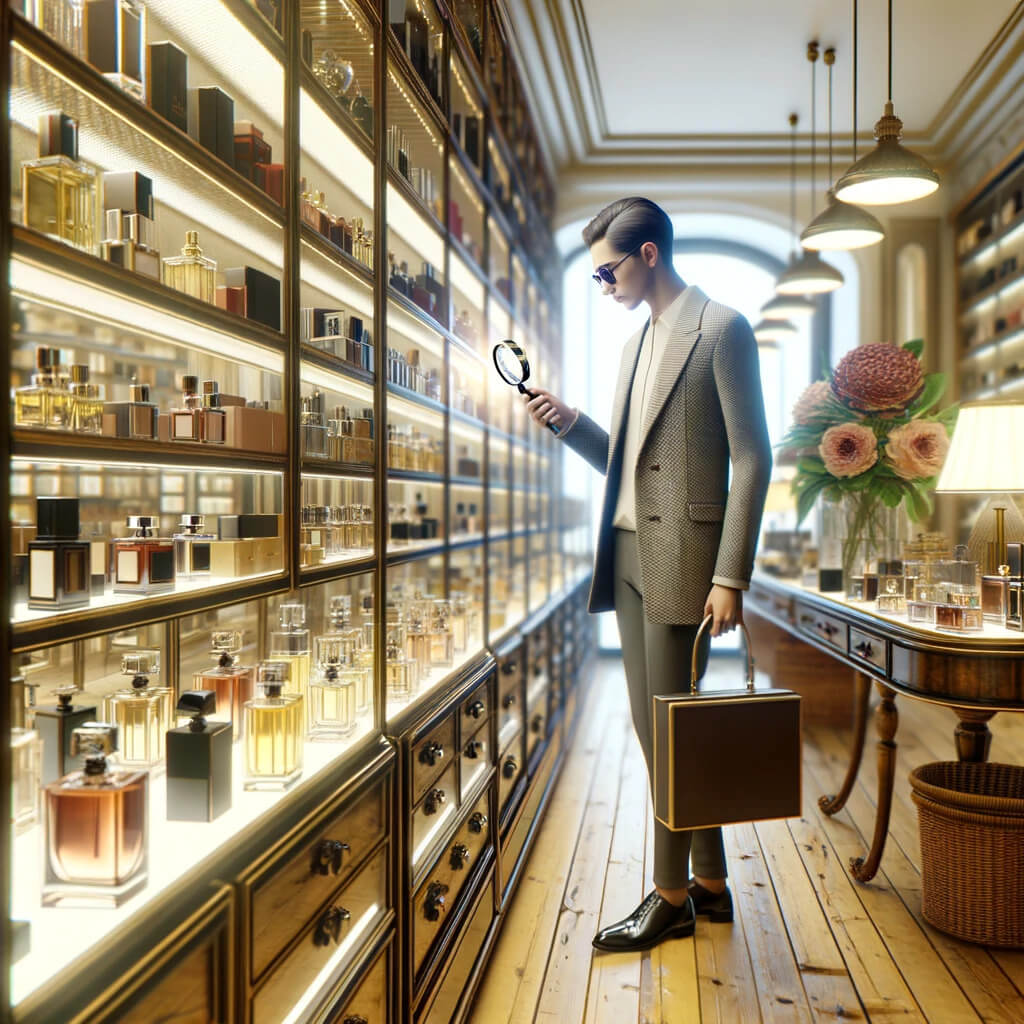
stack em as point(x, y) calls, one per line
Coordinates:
point(631, 241)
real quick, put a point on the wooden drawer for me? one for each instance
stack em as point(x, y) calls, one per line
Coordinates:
point(476, 708)
point(536, 729)
point(515, 841)
point(369, 1003)
point(430, 755)
point(290, 889)
point(437, 896)
point(870, 648)
point(510, 687)
point(438, 805)
point(822, 627)
point(510, 771)
point(475, 761)
point(356, 908)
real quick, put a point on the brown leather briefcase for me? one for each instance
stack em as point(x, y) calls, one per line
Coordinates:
point(726, 756)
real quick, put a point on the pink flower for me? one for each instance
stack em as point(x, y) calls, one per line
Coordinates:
point(811, 402)
point(848, 449)
point(917, 449)
point(878, 378)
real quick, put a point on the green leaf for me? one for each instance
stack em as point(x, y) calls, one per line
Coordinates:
point(811, 464)
point(808, 496)
point(916, 347)
point(934, 386)
point(948, 418)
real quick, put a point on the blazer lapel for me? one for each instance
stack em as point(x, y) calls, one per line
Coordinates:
point(620, 406)
point(685, 335)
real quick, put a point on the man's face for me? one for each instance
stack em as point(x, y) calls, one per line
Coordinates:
point(631, 275)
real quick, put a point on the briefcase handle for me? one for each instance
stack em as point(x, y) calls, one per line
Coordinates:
point(696, 650)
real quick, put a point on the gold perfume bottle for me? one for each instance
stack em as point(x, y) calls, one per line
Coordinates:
point(274, 726)
point(332, 690)
point(142, 713)
point(192, 272)
point(234, 684)
point(85, 402)
point(96, 827)
point(290, 644)
point(43, 403)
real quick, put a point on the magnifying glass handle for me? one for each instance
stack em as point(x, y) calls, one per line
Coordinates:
point(533, 394)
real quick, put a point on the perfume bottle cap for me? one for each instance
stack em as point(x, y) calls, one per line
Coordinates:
point(79, 373)
point(57, 518)
point(211, 399)
point(140, 663)
point(141, 524)
point(273, 673)
point(58, 135)
point(331, 650)
point(190, 384)
point(138, 392)
point(64, 695)
point(198, 703)
point(191, 246)
point(192, 523)
point(94, 738)
point(44, 359)
point(229, 640)
point(340, 610)
point(211, 387)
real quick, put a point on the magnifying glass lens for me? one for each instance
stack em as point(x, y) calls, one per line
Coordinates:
point(509, 364)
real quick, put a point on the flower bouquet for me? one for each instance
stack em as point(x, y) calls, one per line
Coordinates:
point(869, 436)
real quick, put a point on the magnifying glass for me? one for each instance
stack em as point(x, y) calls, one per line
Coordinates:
point(513, 367)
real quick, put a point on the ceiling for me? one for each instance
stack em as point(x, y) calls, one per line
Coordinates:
point(616, 79)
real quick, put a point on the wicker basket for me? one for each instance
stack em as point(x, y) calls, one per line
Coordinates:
point(972, 849)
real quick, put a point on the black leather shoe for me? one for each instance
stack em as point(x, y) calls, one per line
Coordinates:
point(715, 905)
point(654, 921)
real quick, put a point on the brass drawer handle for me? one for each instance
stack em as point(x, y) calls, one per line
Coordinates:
point(508, 700)
point(865, 650)
point(473, 748)
point(354, 1018)
point(509, 667)
point(478, 822)
point(433, 906)
point(537, 725)
point(476, 709)
point(433, 800)
point(329, 926)
point(431, 753)
point(327, 857)
point(509, 768)
point(460, 856)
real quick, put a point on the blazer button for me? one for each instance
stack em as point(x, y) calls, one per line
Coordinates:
point(656, 467)
point(654, 519)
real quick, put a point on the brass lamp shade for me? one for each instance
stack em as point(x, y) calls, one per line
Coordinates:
point(782, 307)
point(841, 226)
point(808, 275)
point(982, 457)
point(889, 173)
point(774, 330)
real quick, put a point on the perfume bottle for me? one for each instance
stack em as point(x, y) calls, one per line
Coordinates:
point(232, 683)
point(313, 427)
point(115, 37)
point(356, 654)
point(96, 827)
point(26, 747)
point(142, 713)
point(290, 644)
point(130, 237)
point(442, 642)
point(86, 402)
point(192, 547)
point(400, 672)
point(55, 725)
point(43, 403)
point(192, 272)
point(212, 418)
point(417, 635)
point(143, 564)
point(184, 422)
point(59, 191)
point(59, 567)
point(332, 690)
point(137, 418)
point(198, 761)
point(459, 622)
point(61, 20)
point(274, 724)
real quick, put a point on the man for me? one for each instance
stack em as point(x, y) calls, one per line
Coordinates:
point(677, 538)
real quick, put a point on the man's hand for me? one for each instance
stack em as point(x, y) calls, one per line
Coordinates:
point(546, 408)
point(725, 606)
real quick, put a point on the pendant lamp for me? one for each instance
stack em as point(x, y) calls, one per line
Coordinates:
point(841, 226)
point(889, 173)
point(774, 331)
point(782, 307)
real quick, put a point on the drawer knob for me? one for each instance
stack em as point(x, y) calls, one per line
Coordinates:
point(328, 855)
point(509, 667)
point(537, 725)
point(431, 753)
point(460, 856)
point(329, 926)
point(478, 822)
point(354, 1018)
point(508, 700)
point(433, 801)
point(433, 906)
point(510, 767)
point(476, 709)
point(473, 748)
point(864, 649)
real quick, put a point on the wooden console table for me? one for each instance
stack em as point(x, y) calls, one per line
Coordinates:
point(977, 675)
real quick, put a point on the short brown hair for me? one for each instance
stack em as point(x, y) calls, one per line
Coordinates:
point(628, 223)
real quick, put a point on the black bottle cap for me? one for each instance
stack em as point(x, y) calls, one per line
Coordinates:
point(197, 702)
point(58, 135)
point(57, 518)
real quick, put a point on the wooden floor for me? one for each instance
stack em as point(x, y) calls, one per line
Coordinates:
point(808, 943)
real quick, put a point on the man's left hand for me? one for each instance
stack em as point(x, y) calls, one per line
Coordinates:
point(725, 606)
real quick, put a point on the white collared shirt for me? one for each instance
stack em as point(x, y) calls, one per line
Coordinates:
point(652, 353)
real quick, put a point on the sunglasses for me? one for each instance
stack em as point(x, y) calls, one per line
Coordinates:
point(606, 275)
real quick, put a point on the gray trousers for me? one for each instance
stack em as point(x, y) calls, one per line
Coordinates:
point(657, 660)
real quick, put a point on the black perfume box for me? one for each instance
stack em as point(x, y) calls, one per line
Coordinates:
point(831, 580)
point(211, 122)
point(199, 772)
point(248, 527)
point(129, 192)
point(58, 135)
point(472, 140)
point(167, 82)
point(262, 294)
point(113, 37)
point(57, 519)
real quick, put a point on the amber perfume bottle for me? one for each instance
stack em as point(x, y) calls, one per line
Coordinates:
point(142, 713)
point(192, 547)
point(400, 672)
point(59, 191)
point(115, 43)
point(212, 417)
point(55, 725)
point(274, 727)
point(43, 403)
point(143, 564)
point(198, 761)
point(232, 683)
point(26, 750)
point(96, 827)
point(192, 272)
point(332, 689)
point(289, 643)
point(86, 402)
point(58, 562)
point(137, 418)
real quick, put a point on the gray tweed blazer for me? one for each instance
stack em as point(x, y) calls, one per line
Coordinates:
point(694, 526)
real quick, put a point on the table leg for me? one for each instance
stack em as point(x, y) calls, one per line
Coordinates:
point(834, 803)
point(886, 721)
point(973, 739)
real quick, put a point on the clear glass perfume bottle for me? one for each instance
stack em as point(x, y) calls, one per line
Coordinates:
point(289, 643)
point(97, 834)
point(234, 684)
point(61, 20)
point(356, 653)
point(274, 727)
point(86, 402)
point(418, 639)
point(459, 622)
point(332, 690)
point(192, 547)
point(192, 272)
point(442, 642)
point(26, 747)
point(400, 672)
point(143, 564)
point(59, 191)
point(43, 403)
point(142, 713)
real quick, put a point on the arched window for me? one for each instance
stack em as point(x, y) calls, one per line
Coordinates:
point(911, 292)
